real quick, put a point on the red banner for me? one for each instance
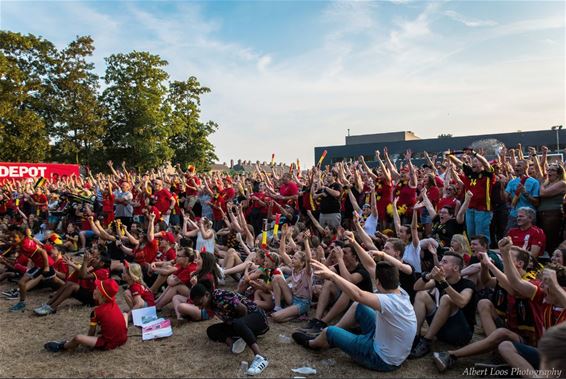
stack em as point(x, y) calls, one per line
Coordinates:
point(10, 170)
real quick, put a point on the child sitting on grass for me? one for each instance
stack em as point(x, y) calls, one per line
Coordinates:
point(137, 295)
point(298, 298)
point(113, 331)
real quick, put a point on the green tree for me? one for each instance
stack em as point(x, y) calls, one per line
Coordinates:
point(189, 135)
point(137, 131)
point(80, 122)
point(445, 136)
point(26, 64)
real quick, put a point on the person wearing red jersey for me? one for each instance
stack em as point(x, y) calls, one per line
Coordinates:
point(288, 190)
point(526, 235)
point(166, 250)
point(406, 188)
point(80, 284)
point(165, 202)
point(42, 264)
point(179, 281)
point(548, 302)
point(138, 295)
point(40, 203)
point(107, 315)
point(228, 191)
point(192, 185)
point(478, 178)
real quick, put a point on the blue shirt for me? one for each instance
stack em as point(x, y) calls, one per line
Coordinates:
point(532, 187)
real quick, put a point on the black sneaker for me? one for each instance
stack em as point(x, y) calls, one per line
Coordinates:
point(303, 339)
point(422, 349)
point(443, 360)
point(54, 346)
point(315, 328)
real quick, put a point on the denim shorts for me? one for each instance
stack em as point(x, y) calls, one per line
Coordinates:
point(529, 353)
point(360, 347)
point(303, 304)
point(425, 217)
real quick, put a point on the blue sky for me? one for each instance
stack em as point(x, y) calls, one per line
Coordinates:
point(290, 75)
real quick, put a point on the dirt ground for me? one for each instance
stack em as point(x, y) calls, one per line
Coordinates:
point(188, 353)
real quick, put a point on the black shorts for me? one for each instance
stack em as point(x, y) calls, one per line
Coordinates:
point(529, 353)
point(34, 272)
point(85, 296)
point(455, 331)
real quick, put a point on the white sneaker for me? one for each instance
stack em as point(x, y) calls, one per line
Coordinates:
point(239, 346)
point(258, 365)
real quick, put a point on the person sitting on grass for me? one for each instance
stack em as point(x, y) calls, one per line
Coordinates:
point(42, 264)
point(450, 310)
point(179, 281)
point(241, 318)
point(95, 266)
point(113, 330)
point(137, 295)
point(206, 271)
point(298, 298)
point(387, 320)
point(261, 279)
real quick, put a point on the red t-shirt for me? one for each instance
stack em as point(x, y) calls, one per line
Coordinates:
point(30, 249)
point(61, 266)
point(147, 253)
point(447, 202)
point(42, 199)
point(545, 315)
point(21, 263)
point(113, 328)
point(184, 274)
point(480, 184)
point(383, 194)
point(433, 194)
point(289, 189)
point(527, 238)
point(407, 196)
point(219, 201)
point(88, 284)
point(193, 181)
point(145, 293)
point(228, 193)
point(169, 255)
point(163, 200)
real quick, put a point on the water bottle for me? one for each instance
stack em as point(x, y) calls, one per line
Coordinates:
point(283, 339)
point(243, 369)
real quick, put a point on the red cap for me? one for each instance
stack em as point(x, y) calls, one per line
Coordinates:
point(107, 287)
point(169, 237)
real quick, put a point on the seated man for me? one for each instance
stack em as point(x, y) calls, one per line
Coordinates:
point(387, 321)
point(526, 235)
point(450, 310)
point(506, 317)
point(349, 268)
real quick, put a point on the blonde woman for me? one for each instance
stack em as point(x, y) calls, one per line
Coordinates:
point(460, 245)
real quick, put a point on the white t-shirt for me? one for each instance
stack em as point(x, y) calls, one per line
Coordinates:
point(370, 225)
point(395, 327)
point(412, 256)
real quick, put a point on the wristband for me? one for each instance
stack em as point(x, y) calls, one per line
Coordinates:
point(442, 285)
point(424, 277)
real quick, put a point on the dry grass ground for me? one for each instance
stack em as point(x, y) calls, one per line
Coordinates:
point(188, 353)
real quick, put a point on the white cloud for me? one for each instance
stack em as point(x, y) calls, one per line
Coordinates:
point(472, 23)
point(405, 75)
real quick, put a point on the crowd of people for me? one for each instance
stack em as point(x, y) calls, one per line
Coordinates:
point(366, 256)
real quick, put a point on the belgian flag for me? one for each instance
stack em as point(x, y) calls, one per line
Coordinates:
point(55, 239)
point(40, 182)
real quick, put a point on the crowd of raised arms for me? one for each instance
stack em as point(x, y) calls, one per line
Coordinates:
point(364, 255)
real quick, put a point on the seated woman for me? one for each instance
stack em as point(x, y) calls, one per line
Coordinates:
point(178, 282)
point(206, 271)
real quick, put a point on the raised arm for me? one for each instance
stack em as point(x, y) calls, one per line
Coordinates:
point(460, 217)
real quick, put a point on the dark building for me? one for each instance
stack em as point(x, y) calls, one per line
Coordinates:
point(398, 142)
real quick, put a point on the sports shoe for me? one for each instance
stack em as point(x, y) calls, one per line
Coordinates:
point(44, 310)
point(422, 349)
point(314, 326)
point(12, 295)
point(18, 307)
point(54, 346)
point(303, 339)
point(258, 365)
point(443, 360)
point(11, 292)
point(238, 346)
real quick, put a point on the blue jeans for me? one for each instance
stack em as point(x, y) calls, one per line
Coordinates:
point(360, 346)
point(478, 222)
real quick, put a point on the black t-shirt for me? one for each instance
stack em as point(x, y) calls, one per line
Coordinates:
point(470, 308)
point(407, 282)
point(348, 207)
point(443, 232)
point(329, 203)
point(365, 284)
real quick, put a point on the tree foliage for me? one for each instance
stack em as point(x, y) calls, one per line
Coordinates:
point(51, 107)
